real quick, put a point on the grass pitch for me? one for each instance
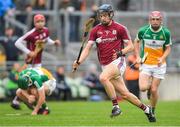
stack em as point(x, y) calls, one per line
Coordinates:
point(90, 114)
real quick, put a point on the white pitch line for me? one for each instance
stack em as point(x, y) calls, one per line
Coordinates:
point(13, 114)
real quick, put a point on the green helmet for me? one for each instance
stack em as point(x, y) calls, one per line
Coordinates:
point(23, 82)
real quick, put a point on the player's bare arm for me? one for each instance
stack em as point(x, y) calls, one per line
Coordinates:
point(53, 42)
point(25, 93)
point(32, 54)
point(128, 48)
point(57, 42)
point(83, 56)
point(136, 50)
point(40, 101)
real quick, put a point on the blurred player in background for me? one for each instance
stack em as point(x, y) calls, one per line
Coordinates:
point(34, 85)
point(155, 40)
point(32, 40)
point(110, 38)
point(38, 36)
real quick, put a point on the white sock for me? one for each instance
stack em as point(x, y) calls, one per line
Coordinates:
point(116, 106)
point(147, 109)
point(16, 102)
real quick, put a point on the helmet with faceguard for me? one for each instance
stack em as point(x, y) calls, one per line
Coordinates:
point(106, 8)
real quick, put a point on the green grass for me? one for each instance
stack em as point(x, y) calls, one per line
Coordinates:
point(90, 114)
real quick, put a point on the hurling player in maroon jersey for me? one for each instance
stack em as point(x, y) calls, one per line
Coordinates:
point(113, 42)
point(28, 41)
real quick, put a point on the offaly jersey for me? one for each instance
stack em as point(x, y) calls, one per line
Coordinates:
point(153, 42)
point(47, 73)
point(36, 76)
point(107, 39)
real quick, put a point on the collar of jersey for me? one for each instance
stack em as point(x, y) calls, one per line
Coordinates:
point(155, 31)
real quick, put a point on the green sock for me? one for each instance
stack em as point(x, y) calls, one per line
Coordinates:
point(153, 110)
point(44, 106)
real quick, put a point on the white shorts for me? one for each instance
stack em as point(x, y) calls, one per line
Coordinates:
point(154, 70)
point(36, 66)
point(120, 63)
point(51, 85)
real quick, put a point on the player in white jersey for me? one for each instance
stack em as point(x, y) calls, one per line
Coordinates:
point(155, 40)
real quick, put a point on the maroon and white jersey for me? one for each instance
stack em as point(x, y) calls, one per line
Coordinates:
point(107, 39)
point(31, 38)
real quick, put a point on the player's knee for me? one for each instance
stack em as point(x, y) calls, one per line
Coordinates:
point(143, 88)
point(18, 92)
point(154, 91)
point(103, 79)
point(34, 92)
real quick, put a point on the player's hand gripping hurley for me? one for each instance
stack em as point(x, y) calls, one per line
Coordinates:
point(142, 60)
point(87, 27)
point(40, 44)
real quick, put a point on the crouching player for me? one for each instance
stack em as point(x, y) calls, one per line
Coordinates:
point(34, 85)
